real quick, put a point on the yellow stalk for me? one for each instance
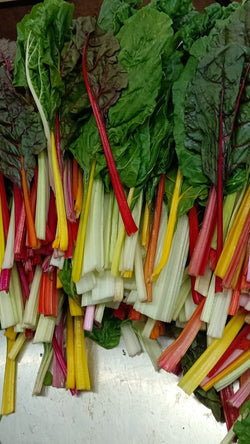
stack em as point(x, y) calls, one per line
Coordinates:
point(71, 378)
point(2, 239)
point(58, 282)
point(18, 344)
point(120, 240)
point(212, 354)
point(81, 365)
point(233, 237)
point(74, 308)
point(241, 360)
point(10, 333)
point(79, 196)
point(80, 241)
point(170, 227)
point(145, 228)
point(9, 385)
point(61, 240)
point(127, 274)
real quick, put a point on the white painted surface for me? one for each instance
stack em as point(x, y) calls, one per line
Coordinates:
point(129, 403)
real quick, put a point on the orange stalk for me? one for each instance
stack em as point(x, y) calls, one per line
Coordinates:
point(29, 218)
point(150, 257)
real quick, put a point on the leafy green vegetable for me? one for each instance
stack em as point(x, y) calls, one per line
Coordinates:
point(242, 427)
point(143, 39)
point(108, 336)
point(21, 131)
point(66, 281)
point(48, 378)
point(216, 109)
point(114, 13)
point(41, 37)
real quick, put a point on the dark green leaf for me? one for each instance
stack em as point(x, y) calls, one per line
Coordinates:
point(242, 427)
point(21, 131)
point(114, 13)
point(66, 281)
point(108, 335)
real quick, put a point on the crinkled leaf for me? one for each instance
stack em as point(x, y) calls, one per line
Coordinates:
point(21, 131)
point(197, 25)
point(242, 427)
point(41, 37)
point(114, 13)
point(108, 335)
point(211, 100)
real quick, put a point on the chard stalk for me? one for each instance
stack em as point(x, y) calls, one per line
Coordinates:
point(126, 215)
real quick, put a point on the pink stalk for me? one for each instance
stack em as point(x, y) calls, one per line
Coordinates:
point(202, 247)
point(67, 188)
point(89, 318)
point(58, 374)
point(5, 279)
point(241, 395)
point(23, 279)
point(124, 209)
point(61, 361)
point(173, 354)
point(234, 355)
point(230, 413)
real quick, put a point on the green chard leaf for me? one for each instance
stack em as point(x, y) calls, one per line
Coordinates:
point(69, 286)
point(21, 131)
point(108, 335)
point(242, 427)
point(114, 13)
point(143, 39)
point(216, 108)
point(41, 38)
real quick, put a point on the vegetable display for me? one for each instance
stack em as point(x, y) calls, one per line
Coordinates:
point(125, 195)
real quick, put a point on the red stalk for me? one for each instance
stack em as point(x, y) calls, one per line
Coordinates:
point(58, 371)
point(5, 279)
point(124, 209)
point(23, 279)
point(218, 281)
point(173, 354)
point(4, 205)
point(231, 413)
point(193, 236)
point(52, 219)
point(61, 361)
point(235, 301)
point(134, 315)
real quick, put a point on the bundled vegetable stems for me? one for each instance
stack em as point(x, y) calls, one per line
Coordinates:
point(116, 214)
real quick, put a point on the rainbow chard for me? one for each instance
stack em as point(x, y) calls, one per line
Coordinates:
point(101, 72)
point(217, 115)
point(21, 133)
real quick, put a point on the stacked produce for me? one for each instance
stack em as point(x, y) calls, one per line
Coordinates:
point(125, 193)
